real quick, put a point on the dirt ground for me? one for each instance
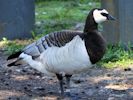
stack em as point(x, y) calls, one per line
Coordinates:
point(25, 83)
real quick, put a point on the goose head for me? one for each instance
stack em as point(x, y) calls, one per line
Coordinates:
point(101, 15)
point(95, 17)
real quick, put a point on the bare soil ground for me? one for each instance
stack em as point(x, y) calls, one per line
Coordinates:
point(25, 83)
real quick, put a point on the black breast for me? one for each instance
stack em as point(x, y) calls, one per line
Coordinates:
point(95, 45)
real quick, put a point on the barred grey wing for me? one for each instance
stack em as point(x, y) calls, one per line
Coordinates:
point(57, 39)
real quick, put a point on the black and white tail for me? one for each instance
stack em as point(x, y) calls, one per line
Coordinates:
point(14, 56)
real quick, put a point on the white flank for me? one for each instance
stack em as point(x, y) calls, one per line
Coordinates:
point(98, 17)
point(36, 64)
point(69, 59)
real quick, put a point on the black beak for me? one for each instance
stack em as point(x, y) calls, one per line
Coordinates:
point(109, 17)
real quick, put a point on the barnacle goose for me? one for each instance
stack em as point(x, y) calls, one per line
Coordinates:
point(65, 53)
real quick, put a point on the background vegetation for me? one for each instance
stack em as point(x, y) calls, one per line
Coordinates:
point(56, 15)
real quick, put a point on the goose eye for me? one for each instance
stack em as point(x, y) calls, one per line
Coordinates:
point(104, 14)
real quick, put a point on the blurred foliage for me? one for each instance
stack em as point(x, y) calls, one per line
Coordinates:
point(56, 15)
point(117, 52)
point(13, 46)
point(68, 0)
point(117, 55)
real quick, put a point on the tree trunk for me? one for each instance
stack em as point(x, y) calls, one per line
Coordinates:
point(122, 29)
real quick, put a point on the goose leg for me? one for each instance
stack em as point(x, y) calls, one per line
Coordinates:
point(68, 80)
point(68, 84)
point(60, 78)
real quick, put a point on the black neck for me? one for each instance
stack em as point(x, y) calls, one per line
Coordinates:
point(90, 23)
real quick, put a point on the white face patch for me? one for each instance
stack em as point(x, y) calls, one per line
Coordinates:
point(98, 17)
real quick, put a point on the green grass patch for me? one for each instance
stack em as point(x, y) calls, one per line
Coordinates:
point(13, 46)
point(58, 15)
point(117, 56)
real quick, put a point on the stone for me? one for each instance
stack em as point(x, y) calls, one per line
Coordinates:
point(16, 18)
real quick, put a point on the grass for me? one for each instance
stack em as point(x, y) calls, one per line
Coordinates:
point(55, 15)
point(117, 56)
point(13, 46)
point(58, 15)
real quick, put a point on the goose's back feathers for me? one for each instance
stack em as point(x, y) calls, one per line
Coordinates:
point(55, 39)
